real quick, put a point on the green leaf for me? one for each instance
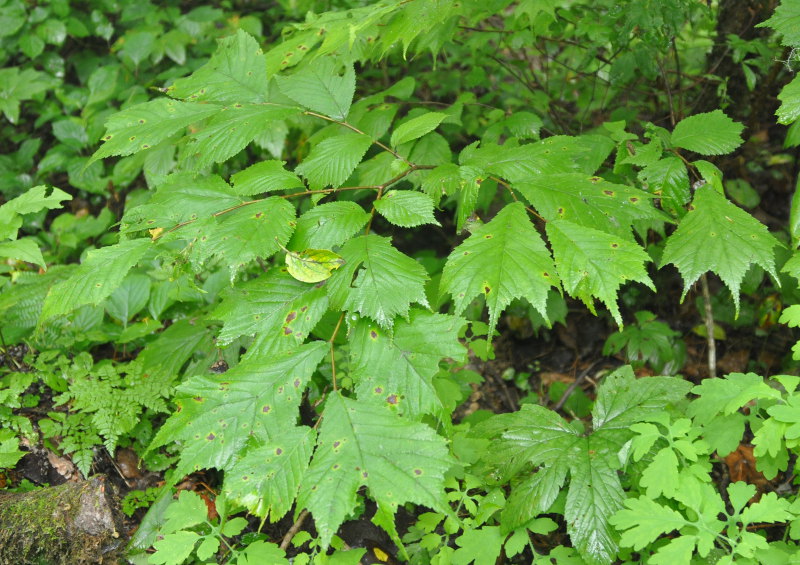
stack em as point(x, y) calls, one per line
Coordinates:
point(232, 129)
point(398, 460)
point(174, 548)
point(237, 72)
point(668, 178)
point(97, 277)
point(406, 208)
point(720, 237)
point(727, 395)
point(312, 265)
point(643, 520)
point(328, 225)
point(333, 160)
point(129, 297)
point(320, 88)
point(502, 260)
point(481, 545)
point(386, 281)
point(265, 176)
point(588, 201)
point(187, 511)
point(267, 479)
point(593, 264)
point(256, 401)
point(238, 237)
point(789, 96)
point(23, 250)
point(33, 200)
point(17, 86)
point(533, 496)
point(397, 369)
point(712, 133)
point(416, 127)
point(274, 306)
point(145, 125)
point(786, 21)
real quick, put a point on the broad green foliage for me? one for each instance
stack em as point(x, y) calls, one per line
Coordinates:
point(283, 249)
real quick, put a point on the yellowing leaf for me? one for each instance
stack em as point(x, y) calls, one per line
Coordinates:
point(312, 265)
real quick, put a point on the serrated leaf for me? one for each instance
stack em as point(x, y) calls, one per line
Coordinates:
point(406, 208)
point(359, 444)
point(712, 133)
point(786, 21)
point(319, 87)
point(312, 265)
point(219, 416)
point(416, 127)
point(267, 479)
point(482, 545)
point(588, 201)
point(145, 125)
point(594, 264)
point(274, 306)
point(174, 548)
point(328, 225)
point(669, 179)
point(33, 200)
point(502, 260)
point(533, 496)
point(397, 369)
point(181, 198)
point(232, 129)
point(97, 277)
point(23, 250)
point(239, 236)
point(237, 72)
point(265, 176)
point(333, 160)
point(720, 237)
point(727, 395)
point(789, 96)
point(386, 281)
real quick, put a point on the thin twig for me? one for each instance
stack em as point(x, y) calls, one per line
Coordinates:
point(709, 318)
point(287, 539)
point(571, 388)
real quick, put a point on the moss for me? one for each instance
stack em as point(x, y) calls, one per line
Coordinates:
point(71, 524)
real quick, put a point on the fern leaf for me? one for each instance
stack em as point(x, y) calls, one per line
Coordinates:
point(363, 445)
point(502, 260)
point(718, 236)
point(386, 281)
point(593, 264)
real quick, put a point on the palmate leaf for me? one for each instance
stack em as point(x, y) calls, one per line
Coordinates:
point(718, 236)
point(594, 264)
point(237, 72)
point(502, 260)
point(360, 444)
point(267, 478)
point(397, 370)
point(239, 236)
point(328, 225)
point(537, 436)
point(588, 201)
point(406, 208)
point(97, 277)
point(275, 306)
point(145, 125)
point(333, 161)
point(320, 88)
point(386, 281)
point(218, 416)
point(232, 129)
point(712, 133)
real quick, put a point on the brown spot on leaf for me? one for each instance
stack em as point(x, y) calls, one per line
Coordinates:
point(287, 331)
point(608, 192)
point(373, 334)
point(278, 451)
point(291, 316)
point(211, 437)
point(392, 399)
point(266, 409)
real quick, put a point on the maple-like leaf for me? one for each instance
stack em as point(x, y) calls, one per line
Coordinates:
point(361, 444)
point(502, 260)
point(397, 369)
point(718, 236)
point(386, 281)
point(595, 264)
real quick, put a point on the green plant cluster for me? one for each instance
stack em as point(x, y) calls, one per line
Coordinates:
point(282, 248)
